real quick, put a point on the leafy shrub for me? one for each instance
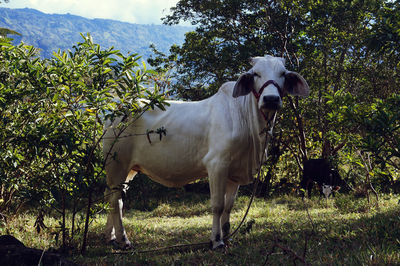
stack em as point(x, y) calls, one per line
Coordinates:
point(52, 123)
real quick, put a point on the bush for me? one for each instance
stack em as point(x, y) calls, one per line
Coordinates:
point(52, 123)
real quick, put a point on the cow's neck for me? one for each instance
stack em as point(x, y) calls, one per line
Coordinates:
point(259, 118)
point(257, 131)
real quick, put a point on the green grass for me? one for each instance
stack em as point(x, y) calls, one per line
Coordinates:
point(341, 231)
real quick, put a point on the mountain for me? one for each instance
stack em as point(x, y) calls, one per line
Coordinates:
point(51, 32)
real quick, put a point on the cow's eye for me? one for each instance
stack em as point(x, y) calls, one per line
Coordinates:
point(283, 74)
point(257, 75)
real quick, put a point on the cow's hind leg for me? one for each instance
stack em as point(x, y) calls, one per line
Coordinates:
point(230, 195)
point(115, 231)
point(109, 232)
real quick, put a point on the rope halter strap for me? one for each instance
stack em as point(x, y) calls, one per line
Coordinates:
point(257, 95)
point(266, 84)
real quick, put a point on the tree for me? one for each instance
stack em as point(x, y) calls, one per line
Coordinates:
point(329, 42)
point(4, 32)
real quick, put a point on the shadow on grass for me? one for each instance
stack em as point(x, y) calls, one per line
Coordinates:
point(146, 195)
point(335, 237)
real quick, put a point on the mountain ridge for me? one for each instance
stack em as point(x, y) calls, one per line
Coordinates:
point(51, 32)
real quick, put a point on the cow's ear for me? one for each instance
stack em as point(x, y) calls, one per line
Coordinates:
point(244, 85)
point(295, 84)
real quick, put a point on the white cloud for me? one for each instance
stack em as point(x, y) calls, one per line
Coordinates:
point(134, 11)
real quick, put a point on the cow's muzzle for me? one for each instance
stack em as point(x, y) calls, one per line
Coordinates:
point(272, 102)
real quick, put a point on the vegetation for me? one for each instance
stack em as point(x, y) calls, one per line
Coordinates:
point(279, 231)
point(345, 50)
point(51, 127)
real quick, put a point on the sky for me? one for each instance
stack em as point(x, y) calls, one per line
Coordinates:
point(133, 11)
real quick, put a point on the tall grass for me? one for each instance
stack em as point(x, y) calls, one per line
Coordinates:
point(279, 231)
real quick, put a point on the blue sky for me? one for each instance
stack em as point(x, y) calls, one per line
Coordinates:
point(133, 11)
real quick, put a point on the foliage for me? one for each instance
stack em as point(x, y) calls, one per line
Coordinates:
point(340, 47)
point(52, 123)
point(378, 134)
point(4, 32)
point(382, 130)
point(385, 34)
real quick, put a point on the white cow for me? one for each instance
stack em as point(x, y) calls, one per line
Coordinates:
point(219, 137)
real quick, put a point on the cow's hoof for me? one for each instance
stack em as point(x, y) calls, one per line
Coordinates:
point(121, 246)
point(214, 245)
point(128, 247)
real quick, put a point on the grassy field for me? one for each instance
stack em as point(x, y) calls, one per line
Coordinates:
point(280, 231)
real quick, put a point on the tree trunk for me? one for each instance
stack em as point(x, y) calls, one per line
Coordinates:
point(85, 233)
point(300, 128)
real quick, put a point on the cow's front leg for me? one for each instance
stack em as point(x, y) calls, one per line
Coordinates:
point(230, 195)
point(218, 177)
point(310, 185)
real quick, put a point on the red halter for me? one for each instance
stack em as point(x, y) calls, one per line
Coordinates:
point(258, 94)
point(269, 82)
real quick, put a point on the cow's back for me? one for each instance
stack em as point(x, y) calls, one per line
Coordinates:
point(215, 130)
point(171, 159)
point(316, 170)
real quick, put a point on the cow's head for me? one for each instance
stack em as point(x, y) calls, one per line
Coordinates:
point(269, 81)
point(327, 190)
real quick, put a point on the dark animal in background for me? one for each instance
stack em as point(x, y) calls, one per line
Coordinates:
point(321, 172)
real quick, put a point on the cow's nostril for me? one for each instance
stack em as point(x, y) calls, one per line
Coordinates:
point(271, 99)
point(272, 102)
